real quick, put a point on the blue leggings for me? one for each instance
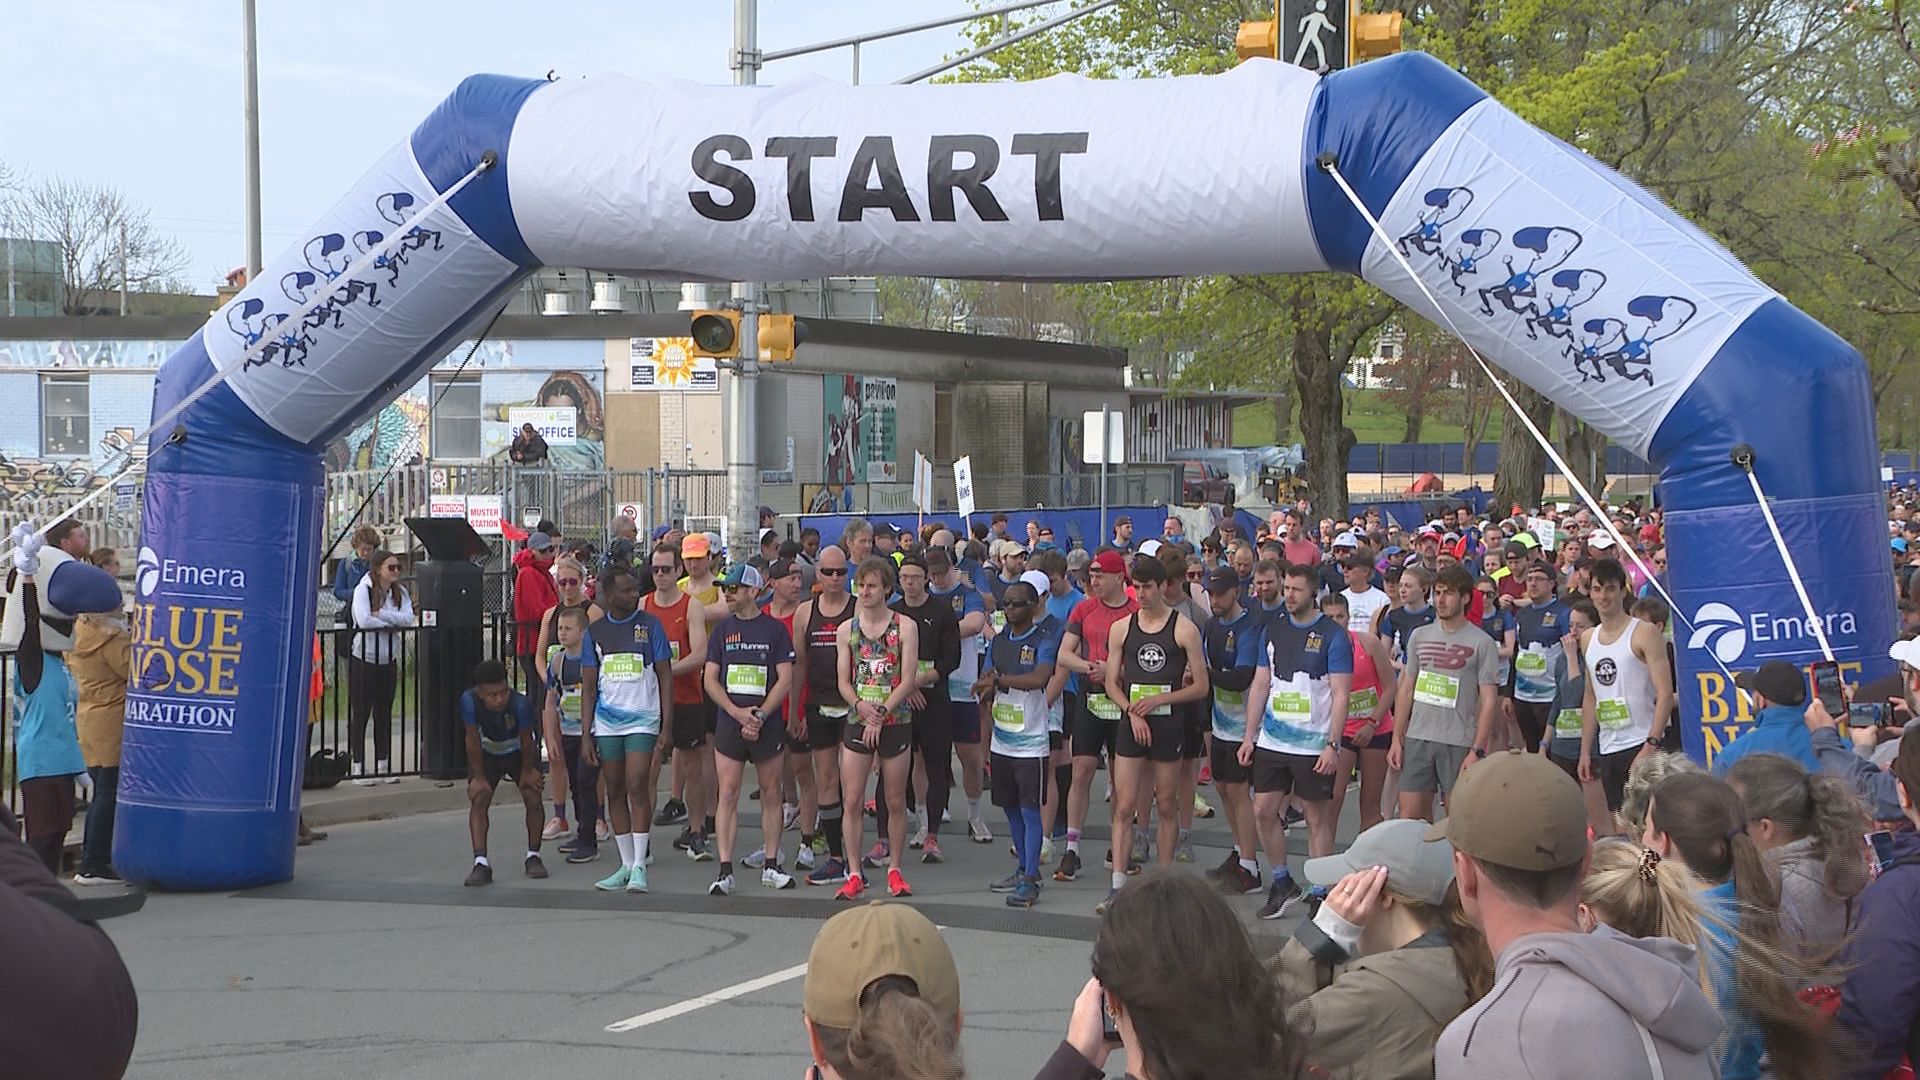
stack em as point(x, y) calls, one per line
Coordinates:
point(1024, 823)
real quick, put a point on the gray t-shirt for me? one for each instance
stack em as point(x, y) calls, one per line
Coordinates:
point(1447, 670)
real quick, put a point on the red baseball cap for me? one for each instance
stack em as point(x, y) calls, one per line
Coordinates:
point(1109, 562)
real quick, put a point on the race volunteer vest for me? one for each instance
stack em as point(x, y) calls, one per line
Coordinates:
point(1623, 695)
point(1152, 663)
point(822, 632)
point(1537, 634)
point(686, 687)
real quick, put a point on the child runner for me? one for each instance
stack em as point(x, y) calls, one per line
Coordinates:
point(563, 719)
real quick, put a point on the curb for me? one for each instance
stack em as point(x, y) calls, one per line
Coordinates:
point(349, 803)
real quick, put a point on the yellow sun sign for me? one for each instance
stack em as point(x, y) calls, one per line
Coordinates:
point(669, 363)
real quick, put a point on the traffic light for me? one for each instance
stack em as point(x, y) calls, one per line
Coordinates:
point(1259, 38)
point(1375, 36)
point(716, 333)
point(779, 336)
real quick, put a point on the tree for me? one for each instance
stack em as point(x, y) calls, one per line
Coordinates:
point(103, 240)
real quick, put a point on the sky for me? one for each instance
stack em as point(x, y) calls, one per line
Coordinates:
point(145, 95)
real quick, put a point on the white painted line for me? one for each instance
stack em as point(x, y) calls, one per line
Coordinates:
point(647, 1019)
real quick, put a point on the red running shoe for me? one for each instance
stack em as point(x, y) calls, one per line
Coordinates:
point(852, 890)
point(897, 885)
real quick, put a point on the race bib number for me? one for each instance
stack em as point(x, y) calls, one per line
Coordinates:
point(1289, 706)
point(925, 669)
point(1103, 707)
point(747, 680)
point(1146, 690)
point(1566, 724)
point(875, 695)
point(675, 646)
point(1363, 702)
point(1437, 688)
point(1231, 700)
point(1612, 713)
point(622, 667)
point(1531, 664)
point(999, 621)
point(1007, 716)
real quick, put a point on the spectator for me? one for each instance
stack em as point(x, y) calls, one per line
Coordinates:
point(1174, 971)
point(762, 560)
point(379, 605)
point(1646, 775)
point(1386, 962)
point(1780, 701)
point(366, 539)
point(1122, 533)
point(529, 447)
point(1633, 890)
point(1809, 827)
point(1880, 1001)
point(1700, 820)
point(534, 593)
point(1563, 1000)
point(882, 998)
point(99, 661)
point(1876, 787)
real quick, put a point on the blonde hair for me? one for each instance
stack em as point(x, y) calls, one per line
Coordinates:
point(1635, 891)
point(568, 562)
point(1646, 775)
point(897, 1037)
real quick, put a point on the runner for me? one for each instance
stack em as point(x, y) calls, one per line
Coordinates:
point(938, 655)
point(749, 674)
point(816, 629)
point(1268, 577)
point(623, 679)
point(1018, 668)
point(1150, 656)
point(686, 626)
point(876, 649)
point(786, 579)
point(1369, 731)
point(1063, 694)
point(1446, 698)
point(570, 578)
point(1296, 712)
point(1364, 602)
point(1629, 687)
point(1539, 624)
point(1084, 652)
point(1233, 643)
point(697, 552)
point(1194, 715)
point(1414, 611)
point(563, 719)
point(949, 586)
point(1570, 695)
point(500, 746)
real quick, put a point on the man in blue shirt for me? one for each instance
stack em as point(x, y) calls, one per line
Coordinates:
point(500, 746)
point(1780, 702)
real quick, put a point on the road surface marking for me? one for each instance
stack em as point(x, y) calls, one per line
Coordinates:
point(647, 1019)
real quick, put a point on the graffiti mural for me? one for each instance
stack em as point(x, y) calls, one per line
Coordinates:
point(396, 434)
point(23, 478)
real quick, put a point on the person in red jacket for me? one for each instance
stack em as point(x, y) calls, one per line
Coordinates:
point(533, 594)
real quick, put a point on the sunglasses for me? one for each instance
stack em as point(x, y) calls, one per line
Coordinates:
point(833, 571)
point(663, 569)
point(1019, 603)
point(567, 581)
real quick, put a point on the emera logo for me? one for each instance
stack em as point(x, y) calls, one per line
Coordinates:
point(146, 574)
point(1721, 629)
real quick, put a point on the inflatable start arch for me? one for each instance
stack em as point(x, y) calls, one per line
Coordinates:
point(1556, 269)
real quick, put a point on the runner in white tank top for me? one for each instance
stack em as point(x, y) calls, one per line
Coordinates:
point(1629, 695)
point(1623, 690)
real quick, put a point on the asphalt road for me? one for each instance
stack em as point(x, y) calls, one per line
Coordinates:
point(375, 961)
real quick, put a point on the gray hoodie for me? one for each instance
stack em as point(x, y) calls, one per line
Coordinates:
point(1565, 1005)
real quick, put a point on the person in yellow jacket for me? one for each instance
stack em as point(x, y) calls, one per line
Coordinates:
point(98, 662)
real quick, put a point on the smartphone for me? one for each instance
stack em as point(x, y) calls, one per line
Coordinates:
point(1869, 714)
point(1827, 685)
point(1112, 1034)
point(1880, 842)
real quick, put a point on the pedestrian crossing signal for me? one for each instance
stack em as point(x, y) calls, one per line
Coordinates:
point(1258, 39)
point(1375, 36)
point(779, 336)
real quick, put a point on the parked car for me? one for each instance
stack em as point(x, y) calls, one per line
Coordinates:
point(1204, 482)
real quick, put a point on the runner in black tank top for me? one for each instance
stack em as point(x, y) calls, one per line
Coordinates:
point(826, 712)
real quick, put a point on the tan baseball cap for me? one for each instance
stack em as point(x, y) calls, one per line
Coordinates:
point(1516, 809)
point(863, 944)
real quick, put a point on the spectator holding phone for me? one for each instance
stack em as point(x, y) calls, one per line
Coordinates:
point(1779, 699)
point(1880, 1001)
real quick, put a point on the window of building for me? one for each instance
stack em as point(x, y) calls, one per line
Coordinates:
point(65, 418)
point(456, 418)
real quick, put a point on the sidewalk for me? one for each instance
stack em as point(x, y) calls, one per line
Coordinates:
point(347, 801)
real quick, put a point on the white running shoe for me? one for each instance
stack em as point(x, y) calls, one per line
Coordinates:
point(979, 831)
point(775, 878)
point(755, 859)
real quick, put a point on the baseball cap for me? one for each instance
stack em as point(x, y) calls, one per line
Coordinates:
point(781, 568)
point(1346, 540)
point(1223, 580)
point(1906, 652)
point(1900, 544)
point(1600, 541)
point(1428, 533)
point(1109, 562)
point(742, 574)
point(1780, 681)
point(694, 546)
point(660, 532)
point(862, 945)
point(1518, 810)
point(767, 534)
point(1150, 548)
point(1037, 579)
point(1415, 869)
point(539, 542)
point(1526, 540)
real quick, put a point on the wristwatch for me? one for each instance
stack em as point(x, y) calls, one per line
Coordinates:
point(1479, 752)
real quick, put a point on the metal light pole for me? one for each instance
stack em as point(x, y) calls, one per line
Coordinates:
point(743, 464)
point(250, 65)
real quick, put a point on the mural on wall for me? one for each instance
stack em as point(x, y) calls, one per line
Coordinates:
point(85, 354)
point(395, 434)
point(23, 478)
point(846, 460)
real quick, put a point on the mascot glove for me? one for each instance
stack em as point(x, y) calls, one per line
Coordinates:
point(27, 543)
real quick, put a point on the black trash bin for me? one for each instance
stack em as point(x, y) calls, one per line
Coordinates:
point(448, 598)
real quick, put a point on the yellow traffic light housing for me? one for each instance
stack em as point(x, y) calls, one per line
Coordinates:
point(779, 335)
point(1258, 39)
point(715, 333)
point(1374, 36)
